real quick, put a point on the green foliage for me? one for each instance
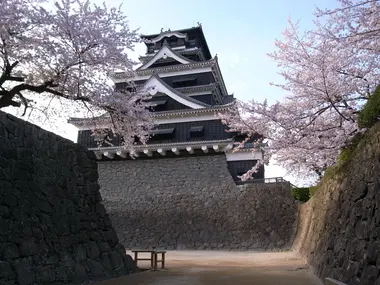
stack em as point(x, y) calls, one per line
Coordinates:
point(346, 153)
point(345, 156)
point(371, 111)
point(301, 193)
point(330, 171)
point(312, 190)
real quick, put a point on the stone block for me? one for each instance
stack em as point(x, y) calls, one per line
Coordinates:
point(104, 246)
point(11, 251)
point(66, 258)
point(111, 237)
point(370, 274)
point(80, 273)
point(24, 271)
point(6, 271)
point(62, 274)
point(115, 260)
point(4, 212)
point(92, 250)
point(28, 247)
point(9, 199)
point(45, 207)
point(96, 268)
point(79, 252)
point(45, 275)
point(4, 226)
point(50, 258)
point(105, 261)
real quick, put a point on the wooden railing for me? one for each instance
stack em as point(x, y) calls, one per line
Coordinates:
point(264, 180)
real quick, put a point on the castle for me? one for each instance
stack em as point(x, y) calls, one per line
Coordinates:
point(182, 191)
point(188, 93)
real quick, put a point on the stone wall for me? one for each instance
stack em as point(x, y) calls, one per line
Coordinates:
point(193, 203)
point(53, 227)
point(339, 229)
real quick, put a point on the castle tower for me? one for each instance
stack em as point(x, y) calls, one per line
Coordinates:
point(188, 92)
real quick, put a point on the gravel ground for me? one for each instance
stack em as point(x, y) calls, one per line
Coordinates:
point(222, 268)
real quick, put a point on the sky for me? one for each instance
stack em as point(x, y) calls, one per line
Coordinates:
point(240, 32)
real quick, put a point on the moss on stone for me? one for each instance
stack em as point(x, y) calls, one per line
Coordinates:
point(371, 111)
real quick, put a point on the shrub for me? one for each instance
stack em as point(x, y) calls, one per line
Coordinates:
point(371, 111)
point(301, 193)
point(312, 190)
point(346, 152)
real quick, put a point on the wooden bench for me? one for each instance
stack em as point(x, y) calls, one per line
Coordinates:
point(162, 260)
point(153, 257)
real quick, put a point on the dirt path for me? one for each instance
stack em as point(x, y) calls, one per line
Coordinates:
point(222, 268)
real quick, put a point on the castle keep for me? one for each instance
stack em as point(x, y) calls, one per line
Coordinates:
point(181, 191)
point(188, 93)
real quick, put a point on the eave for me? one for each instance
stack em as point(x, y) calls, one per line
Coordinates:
point(133, 76)
point(200, 88)
point(218, 76)
point(193, 51)
point(162, 35)
point(213, 109)
point(164, 149)
point(103, 121)
point(194, 67)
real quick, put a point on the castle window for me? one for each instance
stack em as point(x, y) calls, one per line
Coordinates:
point(196, 132)
point(191, 44)
point(159, 102)
point(173, 41)
point(184, 82)
point(162, 134)
point(150, 48)
point(159, 105)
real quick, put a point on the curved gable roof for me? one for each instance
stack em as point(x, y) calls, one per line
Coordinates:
point(154, 85)
point(168, 34)
point(164, 53)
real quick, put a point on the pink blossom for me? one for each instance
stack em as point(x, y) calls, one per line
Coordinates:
point(65, 54)
point(329, 73)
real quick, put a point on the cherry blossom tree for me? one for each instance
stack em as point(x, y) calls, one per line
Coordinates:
point(328, 72)
point(58, 59)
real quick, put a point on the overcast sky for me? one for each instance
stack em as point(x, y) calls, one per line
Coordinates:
point(240, 32)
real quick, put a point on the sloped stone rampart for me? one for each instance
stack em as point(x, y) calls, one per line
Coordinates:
point(53, 227)
point(339, 228)
point(193, 203)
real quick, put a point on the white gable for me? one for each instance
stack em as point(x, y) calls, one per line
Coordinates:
point(168, 34)
point(155, 85)
point(164, 53)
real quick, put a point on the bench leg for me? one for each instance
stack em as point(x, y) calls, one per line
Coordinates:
point(152, 259)
point(136, 258)
point(163, 261)
point(155, 261)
